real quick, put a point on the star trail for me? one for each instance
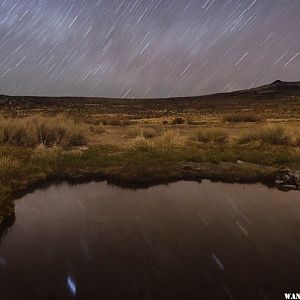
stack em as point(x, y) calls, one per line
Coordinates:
point(146, 48)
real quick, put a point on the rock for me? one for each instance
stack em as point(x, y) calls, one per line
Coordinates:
point(297, 177)
point(240, 162)
point(82, 148)
point(289, 179)
point(290, 186)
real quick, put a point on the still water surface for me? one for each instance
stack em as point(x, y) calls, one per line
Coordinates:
point(184, 240)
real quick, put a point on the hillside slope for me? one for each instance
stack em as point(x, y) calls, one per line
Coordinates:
point(276, 98)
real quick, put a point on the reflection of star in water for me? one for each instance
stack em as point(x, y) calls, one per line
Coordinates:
point(71, 285)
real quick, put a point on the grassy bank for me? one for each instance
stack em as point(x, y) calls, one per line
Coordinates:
point(38, 148)
point(24, 167)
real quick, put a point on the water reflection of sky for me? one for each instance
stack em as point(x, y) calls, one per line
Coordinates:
point(96, 241)
point(2, 261)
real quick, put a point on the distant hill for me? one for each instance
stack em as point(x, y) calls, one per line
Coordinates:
point(279, 95)
point(275, 88)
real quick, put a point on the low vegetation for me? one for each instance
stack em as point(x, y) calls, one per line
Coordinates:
point(6, 204)
point(275, 136)
point(269, 136)
point(191, 120)
point(178, 121)
point(211, 136)
point(170, 139)
point(145, 132)
point(143, 145)
point(116, 122)
point(49, 131)
point(151, 132)
point(297, 142)
point(242, 117)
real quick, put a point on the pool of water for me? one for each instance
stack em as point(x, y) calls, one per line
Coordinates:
point(184, 240)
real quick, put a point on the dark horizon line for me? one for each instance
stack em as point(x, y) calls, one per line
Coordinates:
point(156, 98)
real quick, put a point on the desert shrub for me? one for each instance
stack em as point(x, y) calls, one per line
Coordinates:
point(242, 117)
point(165, 122)
point(211, 136)
point(49, 131)
point(269, 136)
point(178, 121)
point(297, 142)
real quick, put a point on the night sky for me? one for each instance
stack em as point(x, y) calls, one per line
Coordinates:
point(146, 48)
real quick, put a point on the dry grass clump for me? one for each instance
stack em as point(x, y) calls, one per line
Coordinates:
point(6, 205)
point(275, 136)
point(247, 138)
point(191, 121)
point(269, 136)
point(134, 132)
point(143, 145)
point(170, 139)
point(297, 142)
point(178, 121)
point(3, 196)
point(97, 129)
point(43, 152)
point(242, 117)
point(8, 164)
point(151, 132)
point(49, 131)
point(217, 136)
point(145, 132)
